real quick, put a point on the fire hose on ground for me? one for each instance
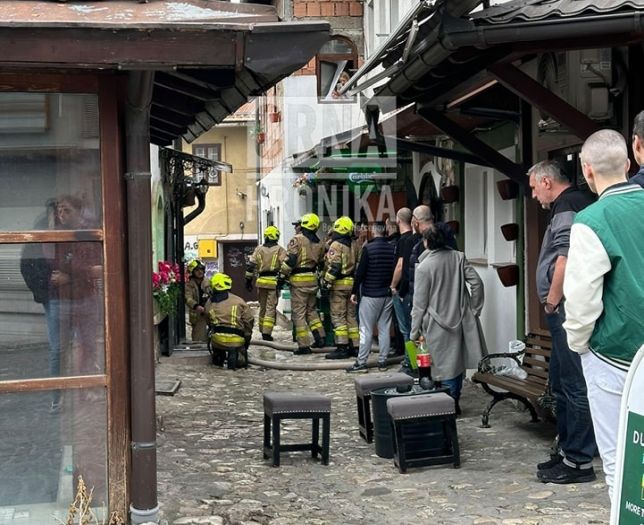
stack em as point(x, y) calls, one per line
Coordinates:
point(302, 366)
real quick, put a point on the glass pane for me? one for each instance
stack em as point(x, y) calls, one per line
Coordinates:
point(49, 147)
point(51, 310)
point(43, 452)
point(336, 46)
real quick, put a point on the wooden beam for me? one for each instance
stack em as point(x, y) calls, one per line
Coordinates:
point(479, 148)
point(80, 47)
point(183, 87)
point(528, 89)
point(410, 145)
point(176, 102)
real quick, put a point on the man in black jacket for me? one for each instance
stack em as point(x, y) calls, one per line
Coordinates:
point(371, 282)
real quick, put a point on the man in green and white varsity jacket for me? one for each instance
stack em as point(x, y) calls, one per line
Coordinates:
point(604, 286)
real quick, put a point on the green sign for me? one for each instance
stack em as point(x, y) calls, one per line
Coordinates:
point(628, 496)
point(631, 509)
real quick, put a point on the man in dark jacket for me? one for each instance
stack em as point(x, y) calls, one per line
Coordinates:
point(638, 148)
point(573, 464)
point(371, 282)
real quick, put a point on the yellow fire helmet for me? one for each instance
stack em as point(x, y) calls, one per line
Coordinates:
point(221, 282)
point(195, 264)
point(272, 233)
point(343, 226)
point(311, 222)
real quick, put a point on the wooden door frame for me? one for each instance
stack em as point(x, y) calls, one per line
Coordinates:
point(115, 376)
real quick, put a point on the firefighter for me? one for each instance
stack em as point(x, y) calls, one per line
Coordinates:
point(231, 324)
point(197, 294)
point(340, 264)
point(304, 255)
point(265, 264)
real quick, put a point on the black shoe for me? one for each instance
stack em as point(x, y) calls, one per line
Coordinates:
point(353, 351)
point(342, 352)
point(267, 337)
point(319, 340)
point(555, 459)
point(563, 474)
point(302, 350)
point(357, 368)
point(382, 366)
point(406, 370)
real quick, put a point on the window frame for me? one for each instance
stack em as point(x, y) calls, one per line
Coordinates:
point(352, 64)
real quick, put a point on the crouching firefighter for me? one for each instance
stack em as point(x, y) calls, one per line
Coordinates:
point(265, 264)
point(340, 264)
point(197, 294)
point(231, 324)
point(304, 255)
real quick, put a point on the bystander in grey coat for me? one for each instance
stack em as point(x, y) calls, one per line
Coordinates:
point(446, 313)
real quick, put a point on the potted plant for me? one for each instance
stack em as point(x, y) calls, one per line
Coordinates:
point(166, 289)
point(276, 116)
point(454, 226)
point(258, 132)
point(508, 189)
point(450, 194)
point(509, 274)
point(510, 231)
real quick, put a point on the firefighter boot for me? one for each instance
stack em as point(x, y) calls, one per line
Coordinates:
point(341, 352)
point(267, 337)
point(232, 359)
point(353, 351)
point(319, 340)
point(302, 350)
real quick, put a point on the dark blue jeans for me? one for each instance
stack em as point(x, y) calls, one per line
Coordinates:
point(574, 424)
point(455, 385)
point(402, 309)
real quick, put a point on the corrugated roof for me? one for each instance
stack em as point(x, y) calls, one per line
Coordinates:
point(532, 10)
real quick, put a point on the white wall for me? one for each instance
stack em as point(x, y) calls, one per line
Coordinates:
point(307, 121)
point(485, 246)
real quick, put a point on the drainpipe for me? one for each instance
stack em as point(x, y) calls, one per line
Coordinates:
point(201, 206)
point(144, 506)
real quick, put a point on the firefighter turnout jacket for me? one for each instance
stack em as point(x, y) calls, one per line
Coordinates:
point(265, 264)
point(340, 263)
point(230, 319)
point(304, 255)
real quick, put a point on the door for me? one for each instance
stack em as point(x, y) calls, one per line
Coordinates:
point(59, 211)
point(235, 256)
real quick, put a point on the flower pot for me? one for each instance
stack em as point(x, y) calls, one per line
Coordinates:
point(260, 137)
point(508, 189)
point(449, 194)
point(454, 226)
point(510, 231)
point(509, 274)
point(275, 117)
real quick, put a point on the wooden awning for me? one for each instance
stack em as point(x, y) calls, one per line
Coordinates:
point(209, 56)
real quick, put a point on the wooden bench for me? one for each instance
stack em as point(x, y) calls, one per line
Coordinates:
point(532, 391)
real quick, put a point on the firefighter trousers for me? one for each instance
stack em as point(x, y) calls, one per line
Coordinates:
point(343, 318)
point(304, 314)
point(267, 309)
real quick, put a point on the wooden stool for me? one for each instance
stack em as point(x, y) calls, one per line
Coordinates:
point(425, 430)
point(296, 405)
point(364, 386)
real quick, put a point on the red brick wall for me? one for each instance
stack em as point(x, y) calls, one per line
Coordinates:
point(326, 8)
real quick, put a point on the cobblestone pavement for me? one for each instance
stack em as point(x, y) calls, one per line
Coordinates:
point(211, 469)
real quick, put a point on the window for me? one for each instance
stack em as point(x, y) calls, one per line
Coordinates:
point(476, 211)
point(336, 62)
point(207, 151)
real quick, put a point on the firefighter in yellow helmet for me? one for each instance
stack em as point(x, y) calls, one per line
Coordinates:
point(231, 324)
point(304, 256)
point(197, 292)
point(264, 264)
point(339, 267)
